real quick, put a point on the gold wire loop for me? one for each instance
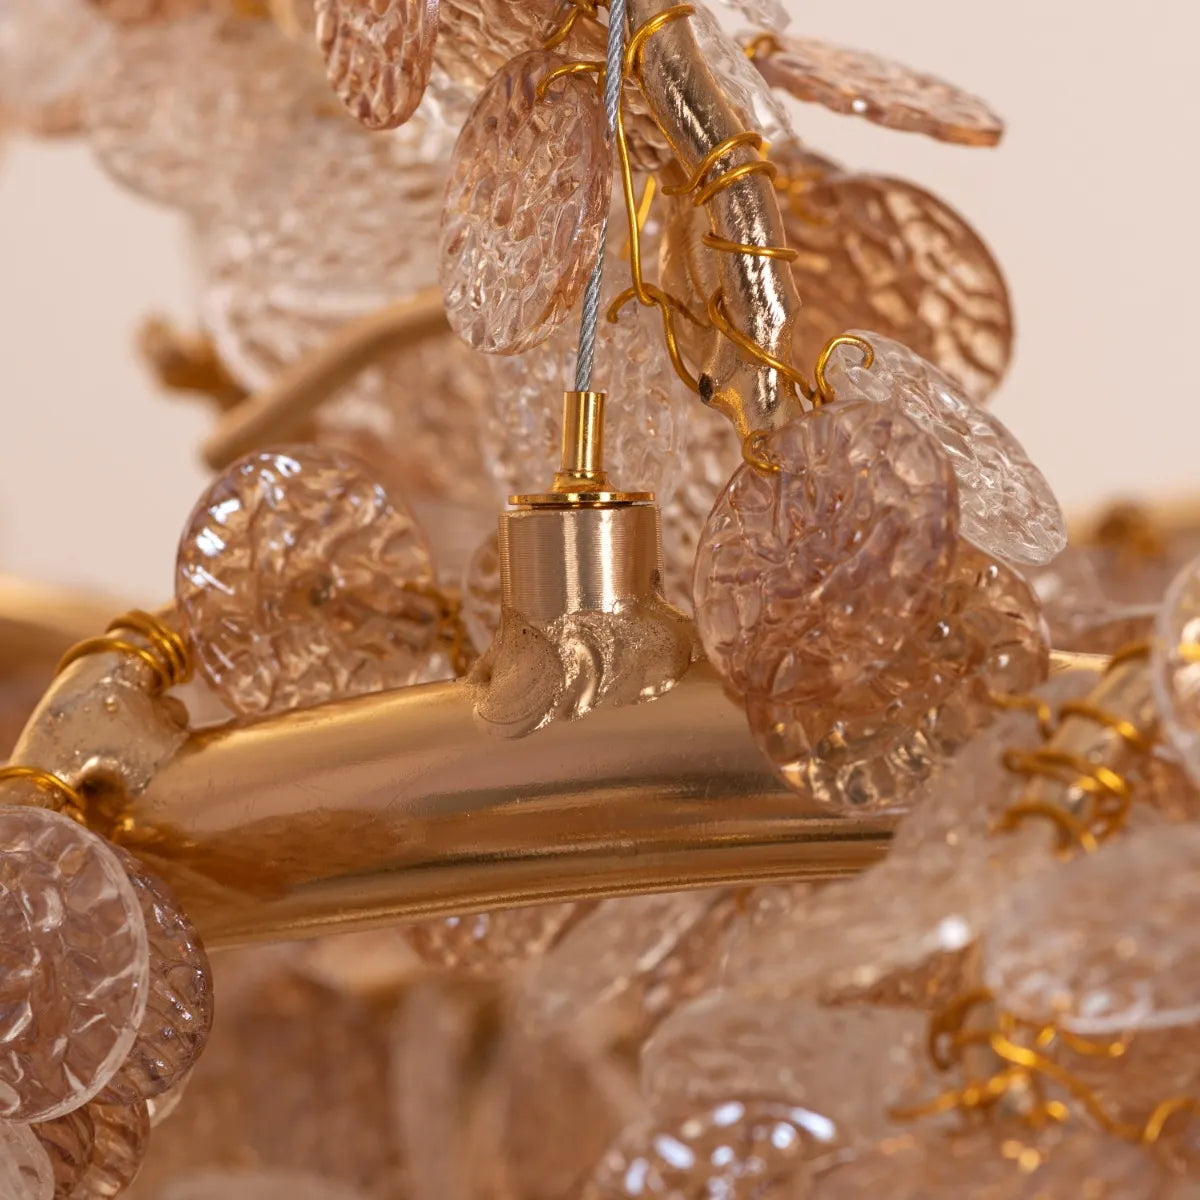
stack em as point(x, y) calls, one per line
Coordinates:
point(824, 392)
point(633, 50)
point(761, 45)
point(167, 655)
point(748, 138)
point(667, 306)
point(67, 800)
point(1127, 730)
point(756, 454)
point(569, 70)
point(578, 10)
point(760, 166)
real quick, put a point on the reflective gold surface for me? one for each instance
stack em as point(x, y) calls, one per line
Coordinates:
point(395, 806)
point(39, 621)
point(560, 560)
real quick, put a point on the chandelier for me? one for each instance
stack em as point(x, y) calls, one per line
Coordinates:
point(629, 723)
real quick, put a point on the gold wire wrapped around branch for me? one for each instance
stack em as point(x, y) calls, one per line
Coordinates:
point(705, 182)
point(65, 798)
point(166, 652)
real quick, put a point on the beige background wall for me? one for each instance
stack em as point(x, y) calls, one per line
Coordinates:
point(1091, 204)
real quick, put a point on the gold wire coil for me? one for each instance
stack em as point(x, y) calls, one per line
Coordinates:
point(1109, 792)
point(66, 799)
point(1029, 1067)
point(1072, 831)
point(167, 653)
point(760, 166)
point(749, 138)
point(1026, 1067)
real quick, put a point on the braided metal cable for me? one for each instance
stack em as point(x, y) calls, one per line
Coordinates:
point(590, 315)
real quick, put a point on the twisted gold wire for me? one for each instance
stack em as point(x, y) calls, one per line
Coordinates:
point(68, 801)
point(167, 655)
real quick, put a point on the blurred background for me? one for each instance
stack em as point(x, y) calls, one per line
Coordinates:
point(1089, 204)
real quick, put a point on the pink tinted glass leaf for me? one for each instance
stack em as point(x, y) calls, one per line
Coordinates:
point(378, 55)
point(73, 987)
point(867, 85)
point(301, 580)
point(525, 205)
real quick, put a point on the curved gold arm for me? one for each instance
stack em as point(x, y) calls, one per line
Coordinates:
point(38, 621)
point(299, 390)
point(400, 805)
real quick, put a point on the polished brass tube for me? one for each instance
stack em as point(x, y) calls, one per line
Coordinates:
point(398, 806)
point(582, 443)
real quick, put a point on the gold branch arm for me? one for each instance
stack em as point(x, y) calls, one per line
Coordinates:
point(400, 805)
point(281, 410)
point(758, 293)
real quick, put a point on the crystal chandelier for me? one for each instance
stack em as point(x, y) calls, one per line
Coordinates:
point(769, 804)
